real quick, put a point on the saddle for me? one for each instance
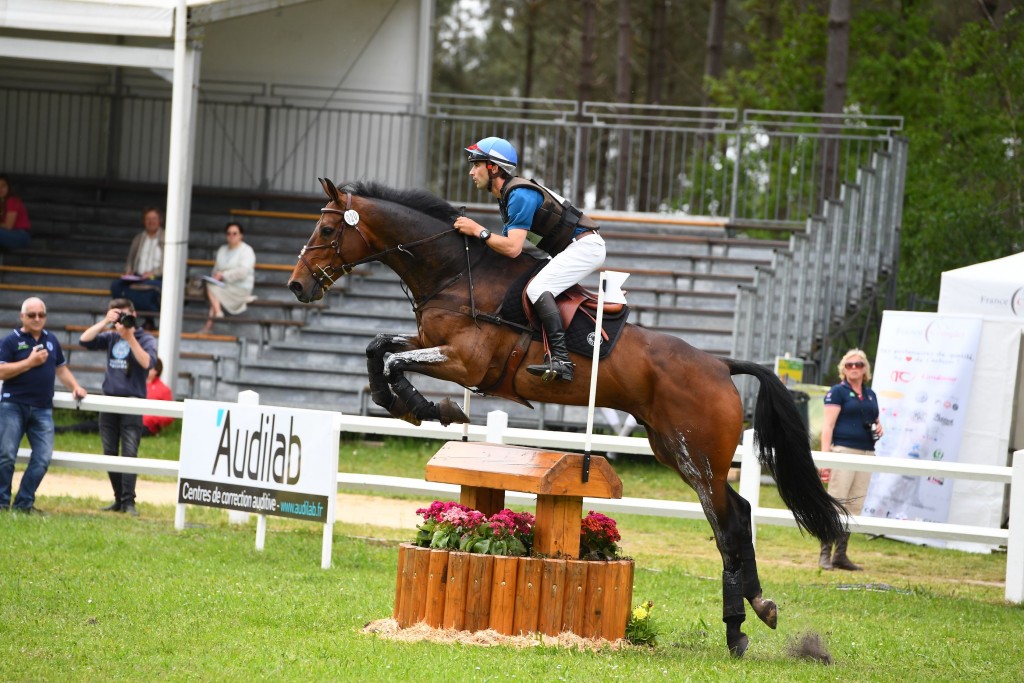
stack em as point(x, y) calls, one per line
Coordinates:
point(576, 299)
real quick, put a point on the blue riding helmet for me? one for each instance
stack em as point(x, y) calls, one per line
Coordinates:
point(497, 151)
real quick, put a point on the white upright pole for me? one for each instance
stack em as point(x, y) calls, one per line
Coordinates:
point(249, 398)
point(602, 282)
point(184, 96)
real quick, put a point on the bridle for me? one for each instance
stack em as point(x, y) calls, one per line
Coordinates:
point(325, 277)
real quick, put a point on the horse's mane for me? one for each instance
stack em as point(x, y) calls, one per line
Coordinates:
point(419, 200)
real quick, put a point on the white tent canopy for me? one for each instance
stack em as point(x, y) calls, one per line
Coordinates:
point(992, 289)
point(994, 292)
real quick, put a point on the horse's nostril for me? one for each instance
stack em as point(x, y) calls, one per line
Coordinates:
point(295, 286)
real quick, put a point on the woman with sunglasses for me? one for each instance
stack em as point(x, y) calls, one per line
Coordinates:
point(851, 425)
point(229, 287)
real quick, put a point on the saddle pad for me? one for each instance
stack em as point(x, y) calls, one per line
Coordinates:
point(579, 337)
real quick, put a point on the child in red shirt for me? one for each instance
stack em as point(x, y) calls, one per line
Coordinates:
point(156, 390)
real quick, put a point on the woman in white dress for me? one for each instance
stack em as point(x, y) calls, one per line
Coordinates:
point(234, 270)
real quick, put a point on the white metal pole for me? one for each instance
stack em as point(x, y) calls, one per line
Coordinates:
point(465, 427)
point(184, 95)
point(602, 282)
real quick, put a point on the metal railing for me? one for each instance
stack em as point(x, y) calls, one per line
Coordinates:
point(755, 165)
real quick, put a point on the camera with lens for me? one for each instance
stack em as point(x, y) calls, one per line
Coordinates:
point(127, 319)
point(872, 428)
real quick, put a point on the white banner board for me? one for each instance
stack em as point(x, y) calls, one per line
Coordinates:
point(261, 459)
point(922, 376)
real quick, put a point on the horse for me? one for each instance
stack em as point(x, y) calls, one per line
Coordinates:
point(683, 397)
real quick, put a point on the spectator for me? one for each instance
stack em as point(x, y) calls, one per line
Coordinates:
point(156, 390)
point(229, 287)
point(15, 229)
point(143, 269)
point(851, 425)
point(30, 359)
point(131, 352)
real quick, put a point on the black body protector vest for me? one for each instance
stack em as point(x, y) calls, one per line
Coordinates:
point(555, 219)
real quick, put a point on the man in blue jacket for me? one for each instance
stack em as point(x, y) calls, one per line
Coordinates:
point(131, 352)
point(30, 359)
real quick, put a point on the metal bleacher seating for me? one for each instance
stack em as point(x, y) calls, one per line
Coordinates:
point(683, 280)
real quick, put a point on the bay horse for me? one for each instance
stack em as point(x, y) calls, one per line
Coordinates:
point(683, 397)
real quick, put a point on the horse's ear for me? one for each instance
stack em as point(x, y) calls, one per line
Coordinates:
point(330, 189)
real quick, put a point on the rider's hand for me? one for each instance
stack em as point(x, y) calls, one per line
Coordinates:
point(468, 226)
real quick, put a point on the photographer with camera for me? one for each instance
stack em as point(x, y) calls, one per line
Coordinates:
point(851, 425)
point(131, 352)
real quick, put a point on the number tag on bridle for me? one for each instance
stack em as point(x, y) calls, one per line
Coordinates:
point(352, 217)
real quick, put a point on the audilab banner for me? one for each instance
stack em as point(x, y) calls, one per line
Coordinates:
point(922, 376)
point(261, 459)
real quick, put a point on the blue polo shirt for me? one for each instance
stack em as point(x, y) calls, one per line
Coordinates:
point(33, 387)
point(853, 413)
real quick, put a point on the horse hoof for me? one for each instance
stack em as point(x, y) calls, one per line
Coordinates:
point(766, 610)
point(450, 412)
point(739, 646)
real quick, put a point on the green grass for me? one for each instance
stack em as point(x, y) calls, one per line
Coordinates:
point(89, 596)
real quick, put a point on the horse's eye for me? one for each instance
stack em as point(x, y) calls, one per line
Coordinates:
point(326, 231)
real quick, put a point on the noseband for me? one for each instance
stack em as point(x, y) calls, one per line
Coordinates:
point(326, 277)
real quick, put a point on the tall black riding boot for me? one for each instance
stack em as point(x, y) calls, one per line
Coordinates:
point(558, 366)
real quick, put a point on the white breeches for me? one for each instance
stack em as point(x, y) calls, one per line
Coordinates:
point(580, 259)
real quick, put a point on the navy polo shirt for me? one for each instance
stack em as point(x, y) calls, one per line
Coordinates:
point(853, 413)
point(33, 387)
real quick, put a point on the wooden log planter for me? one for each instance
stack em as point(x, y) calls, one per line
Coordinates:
point(512, 595)
point(518, 595)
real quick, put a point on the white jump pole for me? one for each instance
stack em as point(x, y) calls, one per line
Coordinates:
point(602, 283)
point(465, 426)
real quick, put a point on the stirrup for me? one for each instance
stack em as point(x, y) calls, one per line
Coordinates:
point(554, 369)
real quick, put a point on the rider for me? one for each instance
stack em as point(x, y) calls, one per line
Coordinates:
point(531, 211)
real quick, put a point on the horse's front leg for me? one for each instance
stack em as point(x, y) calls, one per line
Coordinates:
point(446, 412)
point(380, 389)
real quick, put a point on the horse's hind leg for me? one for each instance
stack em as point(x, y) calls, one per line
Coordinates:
point(712, 491)
point(766, 610)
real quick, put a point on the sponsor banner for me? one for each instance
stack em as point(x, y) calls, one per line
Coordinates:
point(789, 370)
point(922, 376)
point(261, 459)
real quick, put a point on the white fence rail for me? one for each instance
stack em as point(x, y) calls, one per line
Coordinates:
point(496, 431)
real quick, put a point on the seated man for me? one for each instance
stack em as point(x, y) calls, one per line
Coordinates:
point(143, 268)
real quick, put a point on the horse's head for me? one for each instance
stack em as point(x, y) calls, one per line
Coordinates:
point(335, 245)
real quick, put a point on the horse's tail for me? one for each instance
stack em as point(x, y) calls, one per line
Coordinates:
point(783, 447)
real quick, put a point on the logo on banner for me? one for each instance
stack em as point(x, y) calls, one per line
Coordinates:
point(1017, 302)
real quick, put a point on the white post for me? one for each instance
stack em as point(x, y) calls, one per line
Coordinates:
point(750, 480)
point(1015, 544)
point(325, 547)
point(179, 516)
point(248, 398)
point(184, 97)
point(595, 358)
point(497, 423)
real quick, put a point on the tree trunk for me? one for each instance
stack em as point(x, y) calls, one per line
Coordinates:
point(836, 67)
point(624, 94)
point(588, 39)
point(655, 84)
point(713, 64)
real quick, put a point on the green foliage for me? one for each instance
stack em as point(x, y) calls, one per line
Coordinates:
point(641, 630)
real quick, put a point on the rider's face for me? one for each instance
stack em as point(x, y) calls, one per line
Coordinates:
point(478, 172)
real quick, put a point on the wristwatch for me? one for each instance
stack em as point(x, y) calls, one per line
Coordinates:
point(485, 235)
